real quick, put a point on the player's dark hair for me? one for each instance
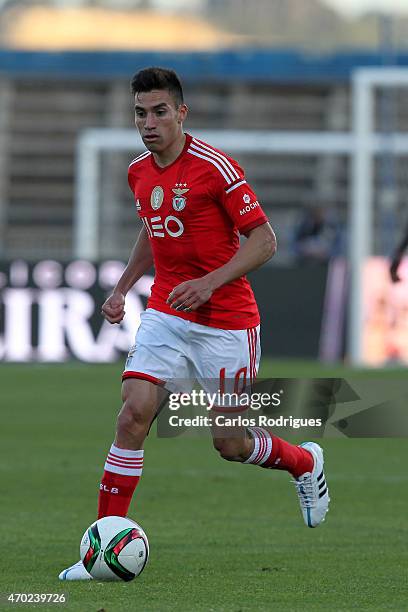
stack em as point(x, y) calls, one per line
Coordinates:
point(158, 78)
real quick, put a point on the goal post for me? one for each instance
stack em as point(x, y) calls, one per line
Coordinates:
point(93, 142)
point(361, 144)
point(366, 144)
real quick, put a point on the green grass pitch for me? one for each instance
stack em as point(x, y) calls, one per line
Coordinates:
point(223, 537)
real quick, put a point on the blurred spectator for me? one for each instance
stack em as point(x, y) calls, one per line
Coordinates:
point(317, 238)
point(396, 260)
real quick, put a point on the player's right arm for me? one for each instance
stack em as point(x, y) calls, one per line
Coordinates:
point(140, 261)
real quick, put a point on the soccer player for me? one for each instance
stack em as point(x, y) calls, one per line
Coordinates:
point(202, 320)
point(396, 260)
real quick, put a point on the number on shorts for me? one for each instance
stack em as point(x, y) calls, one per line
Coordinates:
point(239, 380)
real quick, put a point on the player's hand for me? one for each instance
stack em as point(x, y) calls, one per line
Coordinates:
point(114, 308)
point(189, 296)
point(394, 270)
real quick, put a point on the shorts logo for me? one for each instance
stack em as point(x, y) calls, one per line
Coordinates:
point(246, 198)
point(138, 206)
point(179, 202)
point(130, 355)
point(157, 197)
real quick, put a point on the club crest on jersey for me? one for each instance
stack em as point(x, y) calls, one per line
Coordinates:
point(179, 201)
point(157, 197)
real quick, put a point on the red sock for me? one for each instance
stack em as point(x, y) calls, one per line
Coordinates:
point(123, 469)
point(274, 453)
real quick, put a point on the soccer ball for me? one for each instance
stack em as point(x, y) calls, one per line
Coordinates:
point(114, 548)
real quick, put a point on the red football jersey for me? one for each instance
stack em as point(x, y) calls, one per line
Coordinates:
point(193, 211)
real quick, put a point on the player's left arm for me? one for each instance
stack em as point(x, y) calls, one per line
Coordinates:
point(259, 247)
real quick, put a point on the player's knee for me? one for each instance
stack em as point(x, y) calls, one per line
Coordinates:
point(133, 418)
point(227, 448)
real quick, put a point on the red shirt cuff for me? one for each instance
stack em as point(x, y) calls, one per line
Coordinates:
point(255, 223)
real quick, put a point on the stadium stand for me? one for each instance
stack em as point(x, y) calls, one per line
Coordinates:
point(46, 99)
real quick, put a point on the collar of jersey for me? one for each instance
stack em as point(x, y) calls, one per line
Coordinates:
point(186, 145)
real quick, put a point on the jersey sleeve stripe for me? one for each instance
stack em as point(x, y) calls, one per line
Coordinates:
point(140, 158)
point(213, 162)
point(147, 228)
point(235, 186)
point(219, 155)
point(227, 166)
point(141, 155)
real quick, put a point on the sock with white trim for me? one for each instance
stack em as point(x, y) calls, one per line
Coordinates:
point(277, 454)
point(122, 472)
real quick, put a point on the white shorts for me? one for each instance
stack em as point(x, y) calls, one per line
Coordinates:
point(174, 352)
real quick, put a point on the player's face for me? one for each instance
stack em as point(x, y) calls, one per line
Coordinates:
point(158, 119)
